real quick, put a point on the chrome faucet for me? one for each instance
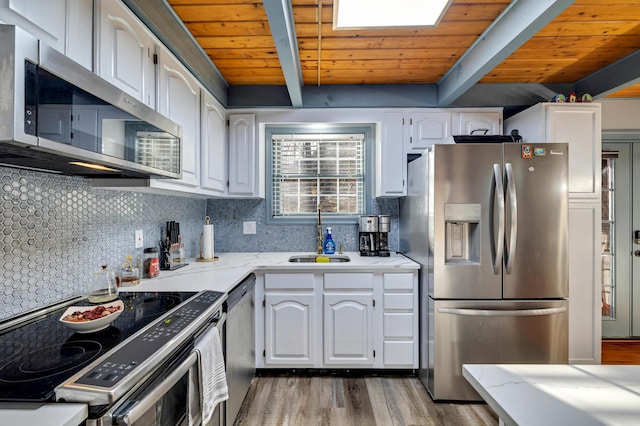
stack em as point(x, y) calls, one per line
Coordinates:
point(319, 232)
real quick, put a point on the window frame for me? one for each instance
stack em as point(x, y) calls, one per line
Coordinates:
point(319, 128)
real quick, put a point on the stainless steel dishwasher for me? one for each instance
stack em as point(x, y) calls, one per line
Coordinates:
point(240, 352)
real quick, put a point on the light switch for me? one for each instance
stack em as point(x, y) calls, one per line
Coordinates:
point(249, 227)
point(139, 242)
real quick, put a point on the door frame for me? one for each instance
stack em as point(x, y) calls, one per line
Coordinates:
point(626, 298)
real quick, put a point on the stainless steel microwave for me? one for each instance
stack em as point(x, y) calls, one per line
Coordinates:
point(57, 116)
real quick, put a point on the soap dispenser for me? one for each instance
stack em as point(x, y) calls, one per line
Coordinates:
point(329, 247)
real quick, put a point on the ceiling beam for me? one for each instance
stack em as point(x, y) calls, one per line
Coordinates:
point(618, 75)
point(521, 20)
point(280, 15)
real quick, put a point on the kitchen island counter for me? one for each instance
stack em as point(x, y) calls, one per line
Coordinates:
point(231, 268)
point(535, 394)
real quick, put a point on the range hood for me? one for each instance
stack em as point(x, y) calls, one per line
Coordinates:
point(56, 116)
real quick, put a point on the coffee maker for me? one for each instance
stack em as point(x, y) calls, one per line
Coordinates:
point(382, 236)
point(368, 230)
point(374, 235)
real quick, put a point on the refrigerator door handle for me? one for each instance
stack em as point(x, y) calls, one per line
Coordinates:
point(503, 313)
point(513, 209)
point(499, 193)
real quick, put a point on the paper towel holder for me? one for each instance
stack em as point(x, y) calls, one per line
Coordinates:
point(207, 221)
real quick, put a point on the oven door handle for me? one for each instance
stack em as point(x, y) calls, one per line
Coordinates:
point(141, 407)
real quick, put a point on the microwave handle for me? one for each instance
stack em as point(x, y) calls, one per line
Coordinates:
point(138, 410)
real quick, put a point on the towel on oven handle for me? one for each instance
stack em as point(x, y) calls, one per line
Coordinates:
point(213, 379)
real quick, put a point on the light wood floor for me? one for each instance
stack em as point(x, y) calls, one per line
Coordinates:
point(358, 401)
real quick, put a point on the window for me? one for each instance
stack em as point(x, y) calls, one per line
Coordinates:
point(312, 169)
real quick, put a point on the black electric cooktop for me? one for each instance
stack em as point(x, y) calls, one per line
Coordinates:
point(36, 357)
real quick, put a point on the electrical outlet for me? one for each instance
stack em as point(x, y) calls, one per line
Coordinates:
point(249, 227)
point(138, 238)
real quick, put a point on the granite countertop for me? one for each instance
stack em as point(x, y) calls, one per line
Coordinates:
point(231, 268)
point(551, 394)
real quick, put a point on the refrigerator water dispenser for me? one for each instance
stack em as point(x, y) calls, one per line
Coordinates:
point(462, 233)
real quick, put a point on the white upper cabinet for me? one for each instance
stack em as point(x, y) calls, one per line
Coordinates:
point(125, 51)
point(579, 125)
point(391, 171)
point(243, 156)
point(179, 100)
point(479, 123)
point(213, 145)
point(65, 25)
point(427, 128)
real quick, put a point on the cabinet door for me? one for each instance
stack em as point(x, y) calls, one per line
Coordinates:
point(213, 145)
point(125, 51)
point(580, 127)
point(179, 100)
point(400, 320)
point(44, 19)
point(480, 123)
point(289, 329)
point(585, 313)
point(348, 328)
point(242, 155)
point(79, 27)
point(428, 128)
point(390, 161)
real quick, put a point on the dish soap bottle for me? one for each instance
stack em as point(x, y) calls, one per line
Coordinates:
point(329, 247)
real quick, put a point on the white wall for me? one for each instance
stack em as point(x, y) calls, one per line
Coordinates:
point(620, 114)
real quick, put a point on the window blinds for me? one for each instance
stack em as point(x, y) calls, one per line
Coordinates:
point(312, 171)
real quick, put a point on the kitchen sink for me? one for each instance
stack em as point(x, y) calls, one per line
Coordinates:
point(319, 258)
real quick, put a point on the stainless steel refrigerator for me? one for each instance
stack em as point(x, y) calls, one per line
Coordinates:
point(488, 222)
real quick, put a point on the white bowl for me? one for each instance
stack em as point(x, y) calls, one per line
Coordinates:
point(92, 325)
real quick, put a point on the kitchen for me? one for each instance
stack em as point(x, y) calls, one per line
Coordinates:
point(58, 229)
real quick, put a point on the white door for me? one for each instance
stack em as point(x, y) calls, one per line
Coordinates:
point(620, 247)
point(213, 145)
point(348, 328)
point(125, 52)
point(289, 331)
point(179, 99)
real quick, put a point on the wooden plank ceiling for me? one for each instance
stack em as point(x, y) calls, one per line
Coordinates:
point(235, 34)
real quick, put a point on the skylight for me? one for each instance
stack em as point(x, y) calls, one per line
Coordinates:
point(357, 14)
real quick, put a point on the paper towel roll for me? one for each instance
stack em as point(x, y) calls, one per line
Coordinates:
point(207, 242)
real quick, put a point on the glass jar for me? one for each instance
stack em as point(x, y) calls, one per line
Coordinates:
point(103, 286)
point(151, 265)
point(129, 274)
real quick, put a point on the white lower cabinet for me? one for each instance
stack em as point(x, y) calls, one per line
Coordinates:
point(289, 319)
point(289, 335)
point(348, 328)
point(400, 320)
point(348, 319)
point(337, 320)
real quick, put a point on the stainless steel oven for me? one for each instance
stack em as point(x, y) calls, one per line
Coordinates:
point(141, 370)
point(173, 398)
